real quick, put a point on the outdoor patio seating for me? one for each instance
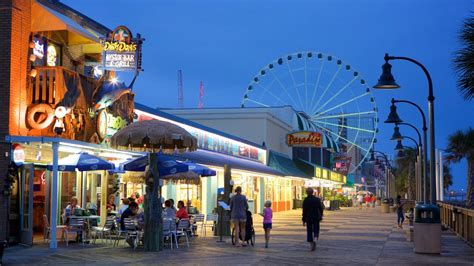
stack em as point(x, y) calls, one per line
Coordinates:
point(182, 230)
point(169, 232)
point(197, 221)
point(47, 229)
point(77, 226)
point(104, 231)
point(211, 221)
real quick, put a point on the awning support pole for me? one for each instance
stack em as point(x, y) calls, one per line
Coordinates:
point(54, 198)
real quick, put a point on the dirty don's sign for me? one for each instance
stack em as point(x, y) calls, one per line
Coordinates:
point(122, 52)
point(304, 139)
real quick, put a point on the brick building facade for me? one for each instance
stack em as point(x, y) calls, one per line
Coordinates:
point(15, 30)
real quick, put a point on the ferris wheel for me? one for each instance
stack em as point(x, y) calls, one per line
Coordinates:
point(328, 96)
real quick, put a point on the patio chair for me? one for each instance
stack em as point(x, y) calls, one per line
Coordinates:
point(47, 229)
point(131, 232)
point(197, 221)
point(182, 230)
point(105, 230)
point(211, 221)
point(76, 225)
point(169, 231)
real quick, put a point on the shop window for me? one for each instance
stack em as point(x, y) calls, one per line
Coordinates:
point(68, 189)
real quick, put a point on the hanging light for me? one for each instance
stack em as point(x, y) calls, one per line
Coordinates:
point(396, 134)
point(32, 57)
point(399, 146)
point(386, 80)
point(393, 116)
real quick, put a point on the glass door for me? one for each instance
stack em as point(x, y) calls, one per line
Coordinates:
point(26, 204)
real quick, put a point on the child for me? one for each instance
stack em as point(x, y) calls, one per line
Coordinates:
point(267, 221)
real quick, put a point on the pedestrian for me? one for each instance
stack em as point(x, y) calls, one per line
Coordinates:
point(367, 200)
point(374, 199)
point(360, 200)
point(312, 216)
point(267, 221)
point(399, 206)
point(238, 215)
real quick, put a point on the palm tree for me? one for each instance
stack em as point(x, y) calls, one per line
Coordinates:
point(405, 174)
point(461, 146)
point(447, 177)
point(464, 60)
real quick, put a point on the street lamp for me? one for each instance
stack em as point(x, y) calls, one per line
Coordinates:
point(393, 117)
point(387, 81)
point(387, 173)
point(399, 146)
point(396, 133)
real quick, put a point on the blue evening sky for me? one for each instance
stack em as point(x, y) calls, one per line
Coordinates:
point(224, 43)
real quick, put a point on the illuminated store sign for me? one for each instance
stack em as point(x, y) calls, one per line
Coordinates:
point(304, 139)
point(213, 142)
point(121, 52)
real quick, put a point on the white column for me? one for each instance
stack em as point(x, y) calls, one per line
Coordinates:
point(441, 174)
point(53, 244)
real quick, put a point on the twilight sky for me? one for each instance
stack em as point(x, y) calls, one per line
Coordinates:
point(225, 43)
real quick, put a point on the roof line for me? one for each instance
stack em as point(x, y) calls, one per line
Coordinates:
point(194, 124)
point(75, 15)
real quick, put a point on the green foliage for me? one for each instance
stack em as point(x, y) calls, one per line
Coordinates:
point(464, 60)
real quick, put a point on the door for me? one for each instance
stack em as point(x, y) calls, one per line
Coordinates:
point(26, 204)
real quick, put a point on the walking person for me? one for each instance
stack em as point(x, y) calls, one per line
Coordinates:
point(360, 200)
point(312, 216)
point(238, 215)
point(400, 217)
point(267, 221)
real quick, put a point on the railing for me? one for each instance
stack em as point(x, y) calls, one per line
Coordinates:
point(459, 220)
point(50, 85)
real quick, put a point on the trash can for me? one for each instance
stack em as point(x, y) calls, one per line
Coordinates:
point(385, 207)
point(427, 229)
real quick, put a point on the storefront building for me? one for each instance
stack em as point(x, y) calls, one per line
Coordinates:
point(59, 97)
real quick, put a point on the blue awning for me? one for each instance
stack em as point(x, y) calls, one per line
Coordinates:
point(216, 159)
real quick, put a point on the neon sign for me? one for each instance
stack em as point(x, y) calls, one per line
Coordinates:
point(304, 139)
point(121, 52)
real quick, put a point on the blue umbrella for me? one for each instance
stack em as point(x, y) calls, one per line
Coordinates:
point(166, 165)
point(82, 162)
point(200, 169)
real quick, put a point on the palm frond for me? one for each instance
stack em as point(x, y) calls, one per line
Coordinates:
point(464, 60)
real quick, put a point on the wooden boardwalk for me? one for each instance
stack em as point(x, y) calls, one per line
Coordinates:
point(348, 236)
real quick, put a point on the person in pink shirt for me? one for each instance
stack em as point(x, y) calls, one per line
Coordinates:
point(267, 221)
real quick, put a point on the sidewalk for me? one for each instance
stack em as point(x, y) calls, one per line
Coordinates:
point(348, 236)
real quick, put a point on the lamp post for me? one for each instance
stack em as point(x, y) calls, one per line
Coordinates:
point(387, 173)
point(387, 81)
point(422, 181)
point(394, 118)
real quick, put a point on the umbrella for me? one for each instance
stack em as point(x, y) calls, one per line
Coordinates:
point(152, 136)
point(82, 162)
point(166, 165)
point(195, 171)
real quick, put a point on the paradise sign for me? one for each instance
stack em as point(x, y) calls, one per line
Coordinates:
point(304, 139)
point(121, 52)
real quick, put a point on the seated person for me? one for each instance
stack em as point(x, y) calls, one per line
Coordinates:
point(123, 206)
point(181, 213)
point(169, 212)
point(69, 210)
point(111, 207)
point(130, 212)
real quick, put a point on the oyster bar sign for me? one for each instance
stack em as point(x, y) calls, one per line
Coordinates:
point(304, 139)
point(121, 52)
